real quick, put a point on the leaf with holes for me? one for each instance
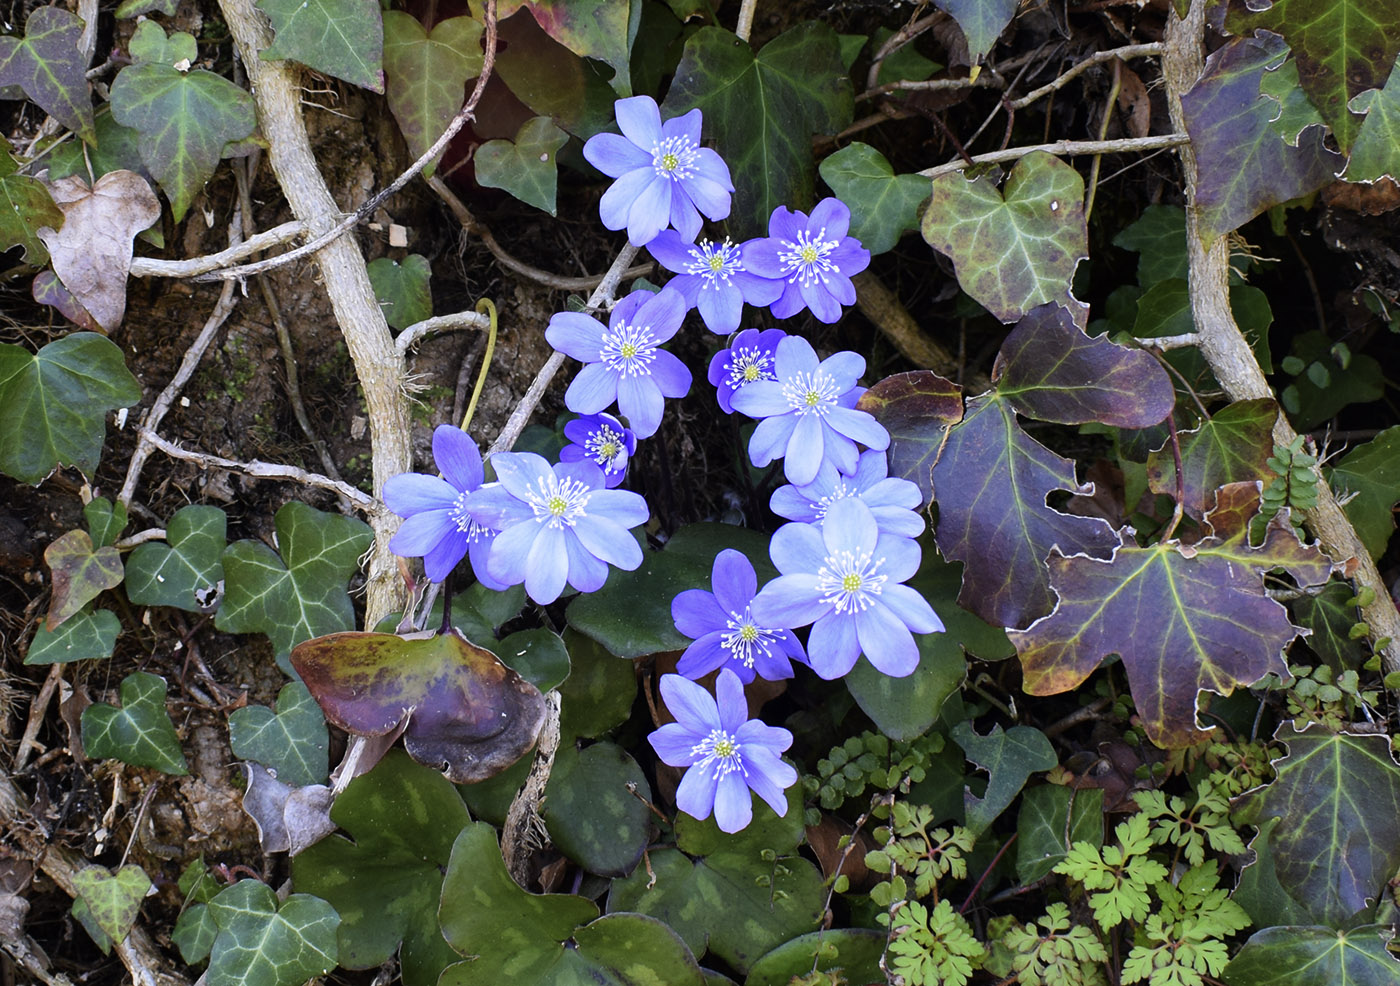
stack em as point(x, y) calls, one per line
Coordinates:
point(109, 901)
point(48, 65)
point(1016, 248)
point(1009, 758)
point(1184, 618)
point(915, 408)
point(1371, 473)
point(1245, 166)
point(80, 572)
point(1232, 447)
point(90, 634)
point(301, 593)
point(526, 167)
point(343, 38)
point(1308, 956)
point(292, 741)
point(468, 714)
point(263, 944)
point(25, 208)
point(426, 73)
point(982, 22)
point(601, 29)
point(56, 403)
point(402, 289)
point(186, 572)
point(762, 110)
point(883, 205)
point(1376, 152)
point(140, 733)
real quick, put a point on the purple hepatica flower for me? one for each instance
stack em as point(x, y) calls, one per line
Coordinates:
point(558, 525)
point(438, 528)
point(843, 578)
point(749, 359)
point(814, 256)
point(624, 361)
point(809, 412)
point(713, 279)
point(663, 174)
point(724, 630)
point(602, 440)
point(728, 753)
point(894, 502)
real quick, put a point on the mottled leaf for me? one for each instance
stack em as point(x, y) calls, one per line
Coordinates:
point(883, 205)
point(1295, 956)
point(1232, 447)
point(187, 571)
point(426, 73)
point(47, 289)
point(25, 208)
point(140, 733)
point(468, 714)
point(1371, 472)
point(292, 740)
point(915, 408)
point(387, 882)
point(1244, 166)
point(762, 110)
point(343, 38)
point(1376, 152)
point(1158, 237)
point(1017, 248)
point(1184, 618)
point(118, 148)
point(601, 29)
point(539, 656)
point(852, 953)
point(982, 22)
point(991, 482)
point(666, 893)
point(92, 634)
point(526, 167)
point(111, 900)
point(599, 692)
point(402, 289)
point(591, 815)
point(1009, 758)
point(48, 65)
point(262, 943)
point(1051, 820)
point(79, 573)
point(135, 8)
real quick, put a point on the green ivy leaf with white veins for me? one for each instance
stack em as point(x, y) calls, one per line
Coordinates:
point(343, 38)
point(292, 741)
point(140, 733)
point(525, 167)
point(262, 944)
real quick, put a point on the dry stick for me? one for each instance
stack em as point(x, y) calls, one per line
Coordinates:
point(1070, 74)
point(1103, 132)
point(745, 24)
point(1126, 145)
point(419, 331)
point(29, 741)
point(1229, 355)
point(277, 235)
point(895, 41)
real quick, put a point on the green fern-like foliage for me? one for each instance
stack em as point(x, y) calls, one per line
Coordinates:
point(1294, 484)
point(911, 849)
point(1207, 822)
point(1047, 952)
point(1118, 877)
point(932, 948)
point(1318, 695)
point(1182, 943)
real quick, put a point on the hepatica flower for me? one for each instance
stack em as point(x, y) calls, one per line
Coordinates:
point(713, 278)
point(844, 578)
point(438, 529)
point(750, 358)
point(893, 502)
point(602, 440)
point(664, 177)
point(724, 630)
point(727, 753)
point(625, 361)
point(813, 256)
point(808, 412)
point(558, 525)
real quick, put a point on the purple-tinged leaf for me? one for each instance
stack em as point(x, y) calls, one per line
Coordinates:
point(1306, 956)
point(601, 29)
point(48, 65)
point(426, 73)
point(916, 408)
point(1232, 447)
point(80, 573)
point(47, 289)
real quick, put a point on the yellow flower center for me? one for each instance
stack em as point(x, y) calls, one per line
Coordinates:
point(850, 582)
point(628, 350)
point(808, 253)
point(725, 747)
point(748, 633)
point(812, 398)
point(556, 505)
point(751, 373)
point(669, 162)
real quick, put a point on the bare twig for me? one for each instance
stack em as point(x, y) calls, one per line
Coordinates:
point(29, 741)
point(983, 81)
point(745, 24)
point(1097, 58)
point(1164, 343)
point(1127, 145)
point(141, 537)
point(455, 322)
point(150, 267)
point(524, 828)
point(898, 40)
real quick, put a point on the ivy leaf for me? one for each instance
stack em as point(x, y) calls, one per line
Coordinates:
point(1009, 758)
point(852, 954)
point(425, 74)
point(762, 111)
point(118, 148)
point(105, 520)
point(1014, 249)
point(150, 43)
point(1259, 892)
point(1158, 237)
point(262, 944)
point(982, 22)
point(1338, 841)
point(140, 733)
point(292, 741)
point(1244, 166)
point(526, 167)
point(110, 901)
point(1376, 152)
point(57, 401)
point(300, 594)
point(1295, 956)
point(467, 714)
point(1183, 617)
point(1232, 447)
point(552, 81)
point(91, 634)
point(1052, 818)
point(186, 572)
point(194, 933)
point(48, 65)
point(185, 120)
point(915, 408)
point(80, 573)
point(387, 882)
point(1371, 472)
point(883, 205)
point(601, 29)
point(25, 208)
point(343, 38)
point(402, 289)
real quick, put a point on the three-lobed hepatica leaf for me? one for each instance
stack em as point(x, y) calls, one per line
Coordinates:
point(1232, 447)
point(140, 733)
point(343, 38)
point(982, 22)
point(467, 714)
point(1293, 956)
point(1371, 472)
point(185, 117)
point(425, 74)
point(915, 408)
point(1184, 618)
point(883, 204)
point(1017, 248)
point(1338, 841)
point(526, 166)
point(300, 594)
point(1244, 166)
point(292, 740)
point(80, 572)
point(25, 208)
point(601, 29)
point(107, 903)
point(48, 65)
point(262, 943)
point(1009, 758)
point(402, 289)
point(762, 110)
point(56, 402)
point(1376, 152)
point(186, 571)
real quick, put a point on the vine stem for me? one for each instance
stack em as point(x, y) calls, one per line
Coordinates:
point(1125, 145)
point(745, 24)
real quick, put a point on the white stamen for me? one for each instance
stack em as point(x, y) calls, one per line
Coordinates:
point(559, 503)
point(475, 532)
point(746, 638)
point(848, 581)
point(716, 263)
point(811, 393)
point(749, 364)
point(723, 747)
point(674, 158)
point(629, 349)
point(807, 259)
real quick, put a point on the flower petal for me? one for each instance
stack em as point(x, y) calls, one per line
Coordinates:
point(439, 563)
point(650, 212)
point(790, 302)
point(622, 507)
point(720, 308)
point(833, 646)
point(608, 541)
point(640, 400)
point(769, 777)
point(547, 565)
point(789, 601)
point(757, 290)
point(616, 203)
point(697, 612)
point(832, 215)
point(733, 803)
point(411, 493)
point(784, 224)
point(639, 119)
point(695, 795)
point(734, 581)
point(729, 698)
point(798, 548)
point(762, 257)
point(592, 390)
point(691, 704)
point(458, 457)
point(521, 473)
point(510, 553)
point(844, 368)
point(762, 399)
point(587, 572)
point(682, 216)
point(849, 527)
point(614, 155)
point(703, 656)
point(576, 334)
point(709, 166)
point(672, 251)
point(886, 641)
point(663, 311)
point(805, 450)
point(686, 126)
point(421, 533)
point(494, 507)
point(824, 307)
point(858, 426)
point(670, 376)
point(912, 609)
point(673, 743)
point(770, 439)
point(710, 196)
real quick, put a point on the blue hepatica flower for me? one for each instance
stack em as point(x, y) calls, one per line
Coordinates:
point(727, 753)
point(713, 279)
point(602, 440)
point(750, 358)
point(894, 502)
point(625, 361)
point(558, 525)
point(438, 528)
point(814, 256)
point(725, 632)
point(664, 177)
point(808, 412)
point(844, 578)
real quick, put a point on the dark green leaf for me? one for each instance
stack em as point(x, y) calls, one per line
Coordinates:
point(292, 741)
point(79, 574)
point(1312, 956)
point(539, 656)
point(525, 168)
point(1328, 381)
point(599, 692)
point(263, 944)
point(1330, 616)
point(1371, 472)
point(1259, 892)
point(601, 29)
point(592, 816)
point(402, 289)
point(1232, 447)
point(343, 38)
point(186, 572)
point(854, 953)
point(118, 148)
point(25, 207)
point(982, 22)
point(194, 933)
point(91, 634)
point(915, 408)
point(426, 73)
point(553, 81)
point(666, 892)
point(105, 520)
point(1053, 818)
point(48, 65)
point(140, 733)
point(1159, 238)
point(883, 205)
point(905, 708)
point(1009, 758)
point(1377, 148)
point(768, 830)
